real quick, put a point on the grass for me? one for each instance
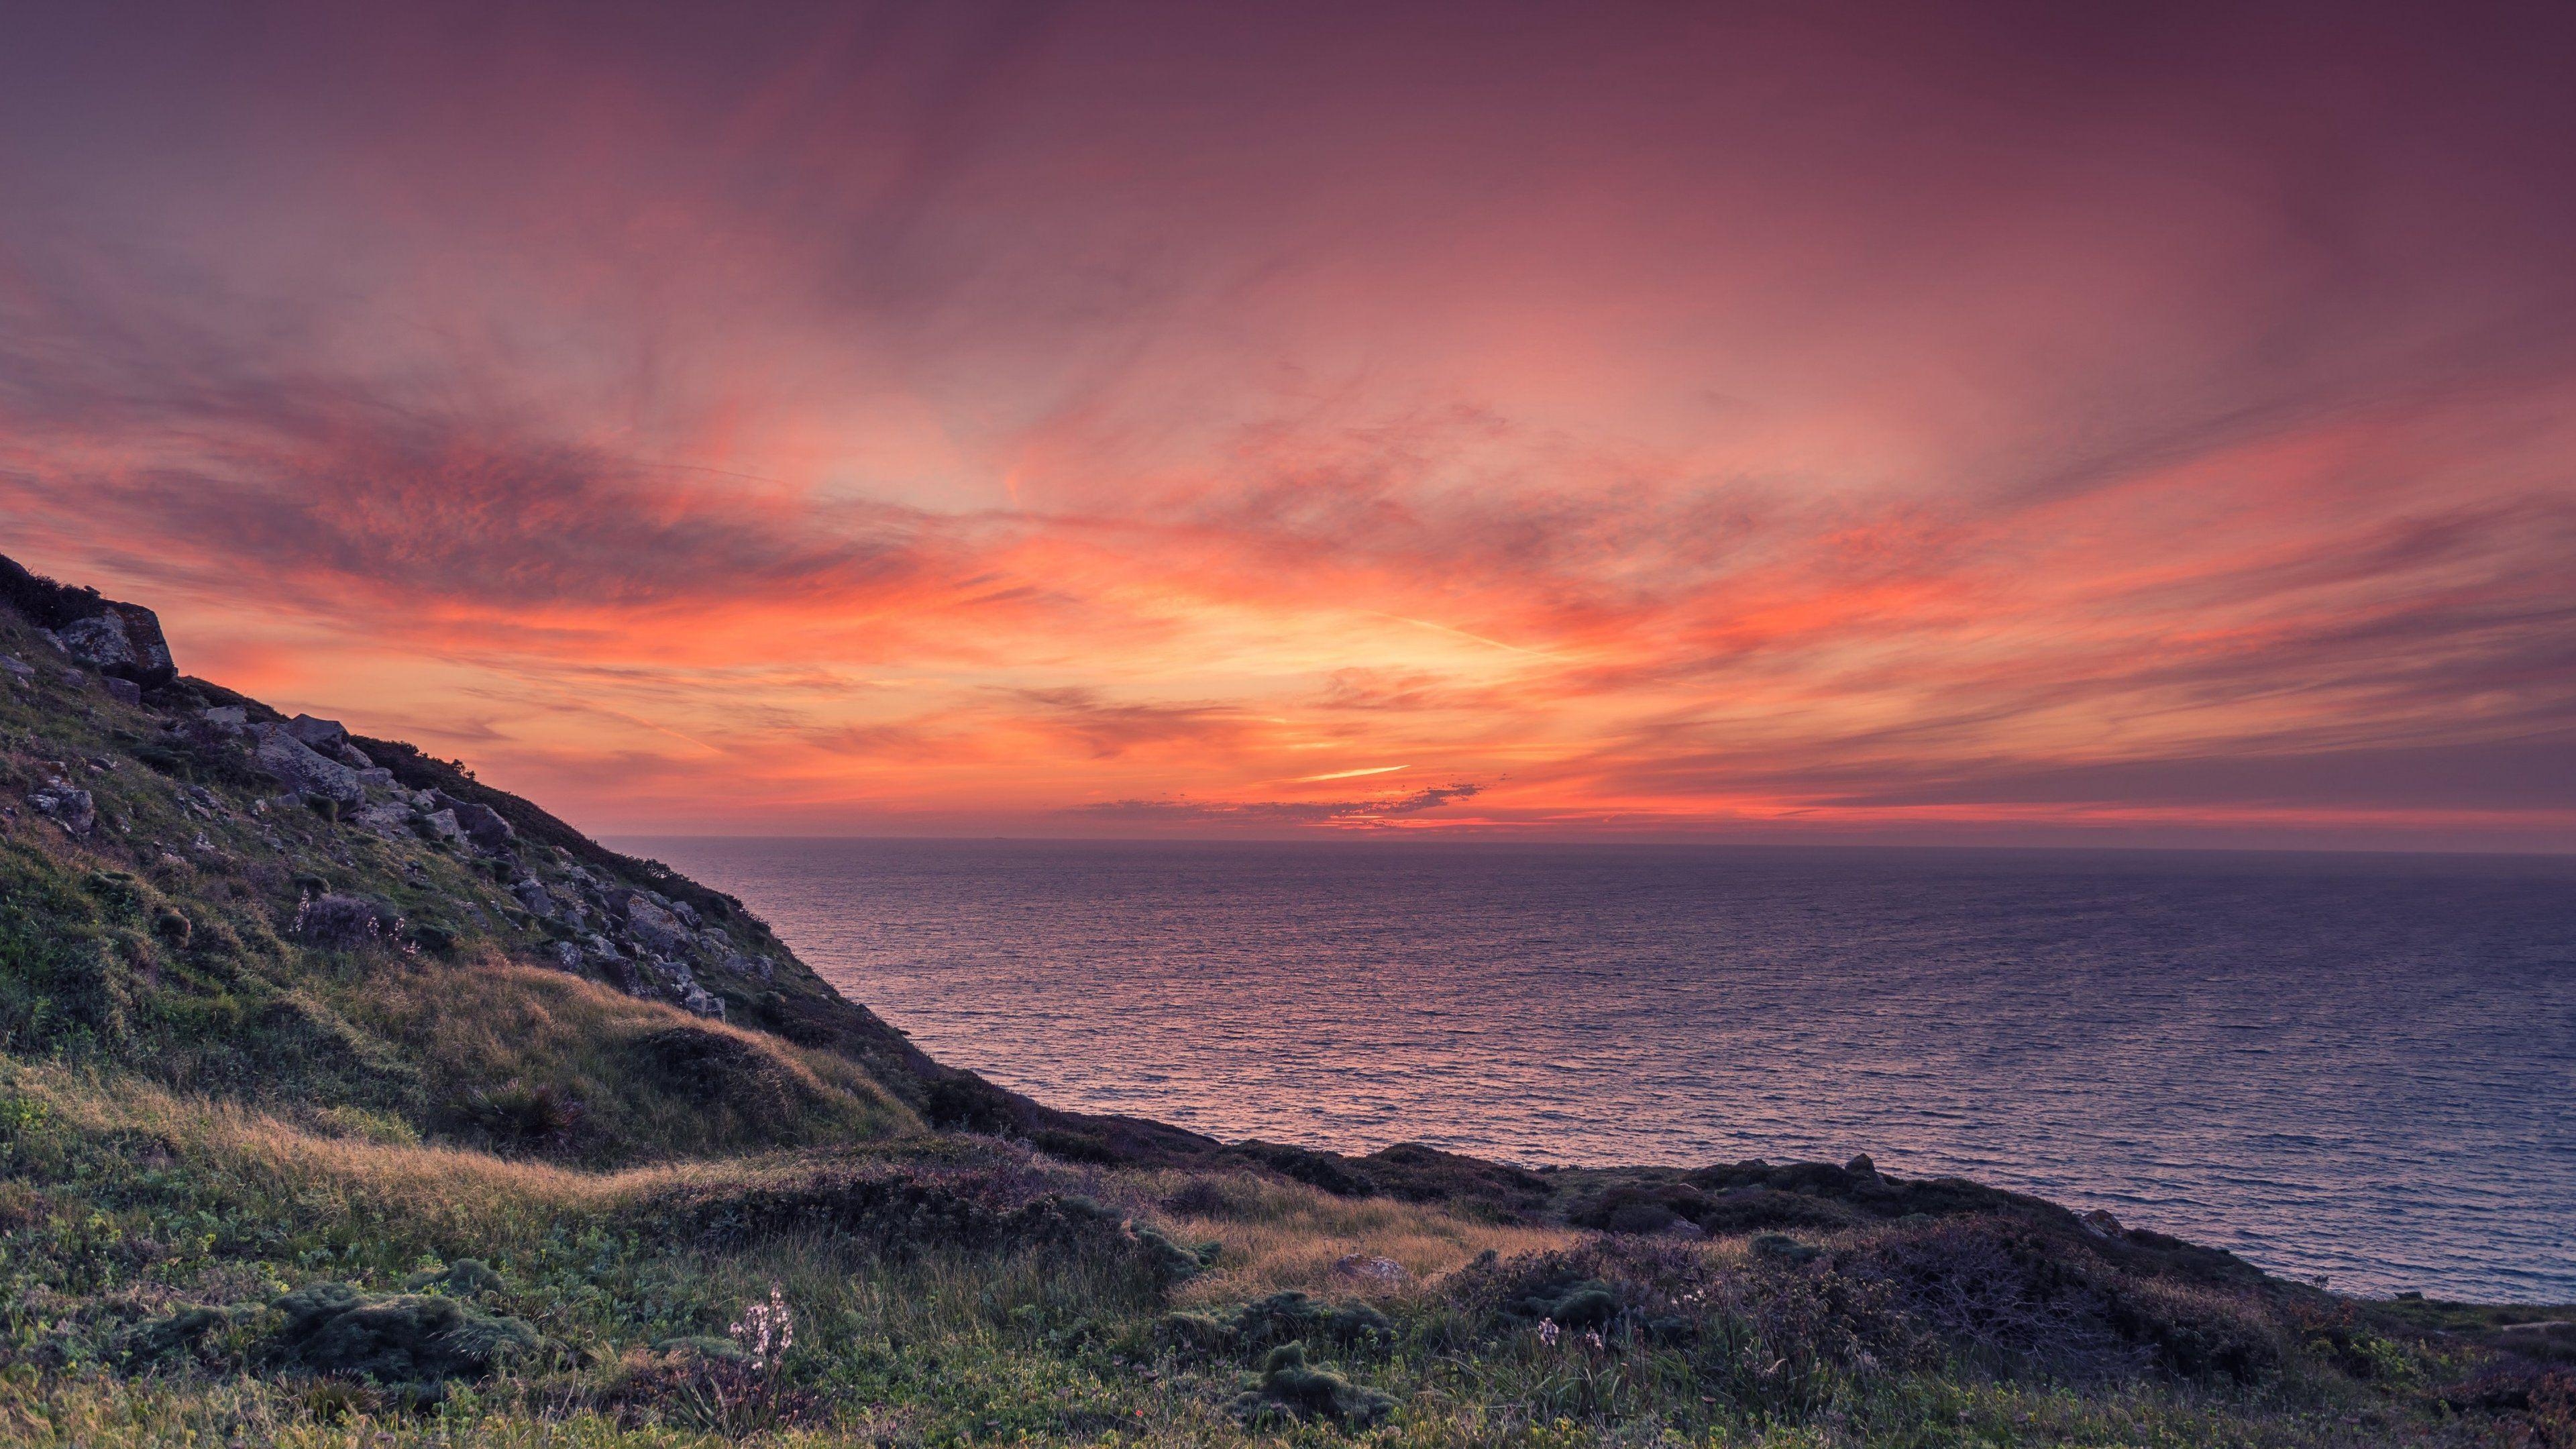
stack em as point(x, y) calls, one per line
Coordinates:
point(121, 1202)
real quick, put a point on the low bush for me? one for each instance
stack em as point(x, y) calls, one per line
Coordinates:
point(1289, 1387)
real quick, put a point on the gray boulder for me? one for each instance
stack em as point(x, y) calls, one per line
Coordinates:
point(65, 804)
point(326, 735)
point(228, 716)
point(686, 991)
point(441, 825)
point(353, 757)
point(385, 819)
point(17, 668)
point(120, 639)
point(481, 823)
point(295, 765)
point(532, 893)
point(657, 928)
point(123, 691)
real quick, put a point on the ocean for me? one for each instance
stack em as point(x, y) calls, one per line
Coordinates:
point(2355, 1068)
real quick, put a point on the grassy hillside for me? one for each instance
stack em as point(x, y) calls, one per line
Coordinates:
point(344, 1100)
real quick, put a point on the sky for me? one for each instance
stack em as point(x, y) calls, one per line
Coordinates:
point(1999, 423)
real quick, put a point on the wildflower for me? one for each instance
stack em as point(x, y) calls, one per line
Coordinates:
point(766, 1330)
point(1547, 1332)
point(1593, 1335)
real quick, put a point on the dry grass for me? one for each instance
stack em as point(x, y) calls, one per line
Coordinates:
point(271, 1158)
point(1279, 1235)
point(497, 1021)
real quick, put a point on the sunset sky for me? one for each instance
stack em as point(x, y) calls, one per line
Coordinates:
point(2093, 423)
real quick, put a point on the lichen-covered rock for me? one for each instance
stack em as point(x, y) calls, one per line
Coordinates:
point(657, 928)
point(386, 818)
point(121, 639)
point(65, 804)
point(294, 764)
point(532, 893)
point(483, 825)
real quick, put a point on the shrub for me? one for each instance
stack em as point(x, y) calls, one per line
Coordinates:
point(1289, 1386)
point(398, 1338)
point(521, 1116)
point(1286, 1317)
point(346, 920)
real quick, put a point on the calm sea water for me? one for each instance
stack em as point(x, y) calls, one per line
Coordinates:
point(2360, 1067)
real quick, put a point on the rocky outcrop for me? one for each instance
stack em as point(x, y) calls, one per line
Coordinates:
point(117, 639)
point(121, 640)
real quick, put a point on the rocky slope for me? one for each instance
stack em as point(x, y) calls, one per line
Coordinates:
point(202, 889)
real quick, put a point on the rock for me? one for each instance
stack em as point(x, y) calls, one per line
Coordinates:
point(532, 893)
point(17, 668)
point(385, 819)
point(121, 639)
point(483, 825)
point(123, 691)
point(356, 759)
point(65, 804)
point(686, 913)
point(1860, 1163)
point(326, 735)
point(227, 716)
point(1370, 1269)
point(563, 955)
point(2102, 1225)
point(294, 763)
point(439, 825)
point(657, 928)
point(377, 776)
point(686, 991)
point(696, 998)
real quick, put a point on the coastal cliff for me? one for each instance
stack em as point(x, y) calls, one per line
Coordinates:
point(344, 1095)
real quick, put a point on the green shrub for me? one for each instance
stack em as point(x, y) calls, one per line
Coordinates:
point(1289, 1386)
point(396, 1338)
